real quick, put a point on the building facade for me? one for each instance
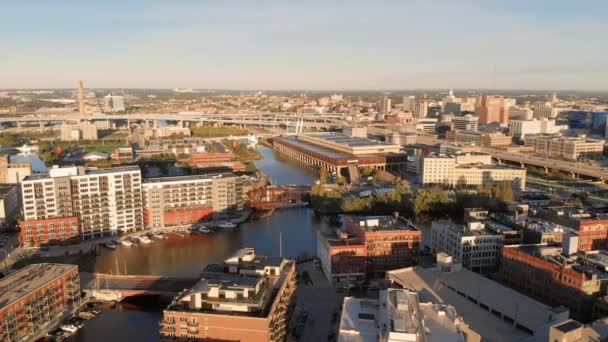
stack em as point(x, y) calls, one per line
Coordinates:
point(35, 299)
point(490, 109)
point(477, 248)
point(465, 123)
point(105, 201)
point(570, 148)
point(249, 298)
point(184, 200)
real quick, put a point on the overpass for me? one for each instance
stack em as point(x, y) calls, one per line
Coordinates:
point(272, 120)
point(110, 287)
point(523, 159)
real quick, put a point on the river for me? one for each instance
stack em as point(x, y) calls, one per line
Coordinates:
point(187, 256)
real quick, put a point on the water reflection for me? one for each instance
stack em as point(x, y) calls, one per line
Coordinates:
point(282, 170)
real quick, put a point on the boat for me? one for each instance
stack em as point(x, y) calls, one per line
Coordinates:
point(70, 328)
point(126, 242)
point(227, 225)
point(144, 239)
point(158, 236)
point(204, 230)
point(110, 245)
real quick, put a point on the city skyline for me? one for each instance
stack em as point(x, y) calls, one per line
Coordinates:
point(314, 46)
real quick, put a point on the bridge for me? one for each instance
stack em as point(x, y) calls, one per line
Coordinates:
point(271, 197)
point(110, 287)
point(272, 120)
point(573, 168)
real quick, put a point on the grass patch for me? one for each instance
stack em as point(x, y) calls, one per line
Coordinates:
point(216, 132)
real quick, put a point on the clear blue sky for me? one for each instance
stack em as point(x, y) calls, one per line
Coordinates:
point(305, 44)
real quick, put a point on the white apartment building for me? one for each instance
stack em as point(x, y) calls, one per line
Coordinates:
point(468, 169)
point(184, 200)
point(467, 122)
point(477, 248)
point(106, 201)
point(520, 113)
point(521, 128)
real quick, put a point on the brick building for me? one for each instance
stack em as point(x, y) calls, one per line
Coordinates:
point(343, 256)
point(52, 231)
point(391, 242)
point(249, 299)
point(591, 227)
point(544, 273)
point(35, 299)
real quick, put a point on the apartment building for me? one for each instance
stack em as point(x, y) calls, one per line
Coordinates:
point(185, 200)
point(569, 148)
point(469, 169)
point(35, 299)
point(553, 275)
point(105, 201)
point(473, 245)
point(249, 299)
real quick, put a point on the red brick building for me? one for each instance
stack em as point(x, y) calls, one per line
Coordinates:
point(391, 242)
point(343, 257)
point(543, 273)
point(52, 231)
point(592, 228)
point(35, 299)
point(179, 216)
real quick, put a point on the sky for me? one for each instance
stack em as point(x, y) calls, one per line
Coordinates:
point(315, 45)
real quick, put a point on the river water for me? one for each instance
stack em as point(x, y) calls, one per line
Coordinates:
point(294, 229)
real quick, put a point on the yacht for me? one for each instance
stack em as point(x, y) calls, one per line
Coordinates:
point(144, 239)
point(226, 225)
point(126, 242)
point(158, 236)
point(204, 230)
point(70, 328)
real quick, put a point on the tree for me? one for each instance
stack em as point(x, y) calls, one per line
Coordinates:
point(431, 202)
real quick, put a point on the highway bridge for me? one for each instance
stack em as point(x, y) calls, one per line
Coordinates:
point(110, 287)
point(272, 120)
point(573, 168)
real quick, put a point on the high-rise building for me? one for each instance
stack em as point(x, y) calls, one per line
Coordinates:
point(35, 299)
point(113, 104)
point(408, 103)
point(421, 108)
point(184, 200)
point(465, 123)
point(545, 110)
point(491, 108)
point(248, 299)
point(385, 105)
point(81, 97)
point(105, 201)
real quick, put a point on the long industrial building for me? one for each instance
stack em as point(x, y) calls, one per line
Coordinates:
point(339, 153)
point(35, 299)
point(184, 200)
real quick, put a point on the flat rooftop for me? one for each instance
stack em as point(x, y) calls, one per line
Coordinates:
point(28, 279)
point(553, 255)
point(324, 151)
point(346, 140)
point(382, 223)
point(189, 177)
point(467, 291)
point(358, 320)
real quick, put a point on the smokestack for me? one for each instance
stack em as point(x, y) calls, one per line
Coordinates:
point(81, 97)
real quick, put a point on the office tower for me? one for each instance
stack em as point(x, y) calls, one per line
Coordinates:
point(491, 108)
point(408, 103)
point(385, 105)
point(421, 109)
point(81, 97)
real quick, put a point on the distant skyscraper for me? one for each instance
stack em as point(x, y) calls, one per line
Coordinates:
point(385, 105)
point(81, 97)
point(113, 104)
point(421, 108)
point(491, 108)
point(408, 103)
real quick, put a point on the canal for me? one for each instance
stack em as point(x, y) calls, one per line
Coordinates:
point(294, 229)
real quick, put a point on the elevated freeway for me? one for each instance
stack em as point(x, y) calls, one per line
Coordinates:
point(573, 168)
point(285, 120)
